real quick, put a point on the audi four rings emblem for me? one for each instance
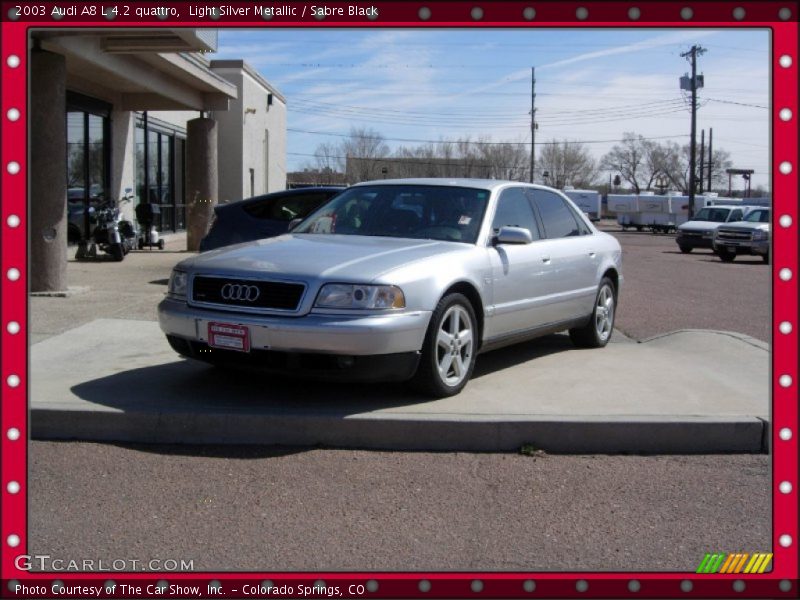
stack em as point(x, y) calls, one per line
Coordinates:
point(235, 291)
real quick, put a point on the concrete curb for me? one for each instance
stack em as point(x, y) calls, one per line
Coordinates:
point(635, 436)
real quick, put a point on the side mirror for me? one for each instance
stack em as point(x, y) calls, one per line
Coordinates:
point(513, 235)
point(294, 223)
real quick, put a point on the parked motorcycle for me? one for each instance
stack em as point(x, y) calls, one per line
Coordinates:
point(110, 232)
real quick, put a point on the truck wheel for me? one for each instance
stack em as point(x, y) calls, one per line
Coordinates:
point(685, 249)
point(765, 258)
point(726, 255)
point(449, 349)
point(597, 332)
point(639, 228)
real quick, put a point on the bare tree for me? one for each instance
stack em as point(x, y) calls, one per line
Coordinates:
point(365, 151)
point(627, 159)
point(568, 163)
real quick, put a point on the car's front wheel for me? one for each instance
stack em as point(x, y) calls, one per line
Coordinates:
point(597, 332)
point(448, 352)
point(685, 249)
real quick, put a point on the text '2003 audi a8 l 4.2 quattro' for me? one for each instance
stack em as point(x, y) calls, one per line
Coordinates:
point(401, 279)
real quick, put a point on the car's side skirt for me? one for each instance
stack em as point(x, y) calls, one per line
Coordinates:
point(529, 334)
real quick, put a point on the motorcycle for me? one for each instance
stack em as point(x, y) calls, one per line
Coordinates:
point(110, 232)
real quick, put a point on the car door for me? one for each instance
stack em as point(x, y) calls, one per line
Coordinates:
point(518, 271)
point(573, 256)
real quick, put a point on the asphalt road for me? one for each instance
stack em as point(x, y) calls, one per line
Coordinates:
point(665, 290)
point(250, 508)
point(294, 509)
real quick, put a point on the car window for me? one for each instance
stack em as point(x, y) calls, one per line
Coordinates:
point(558, 220)
point(514, 210)
point(434, 212)
point(715, 215)
point(286, 208)
point(758, 216)
point(736, 215)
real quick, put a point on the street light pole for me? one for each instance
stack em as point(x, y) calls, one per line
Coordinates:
point(533, 121)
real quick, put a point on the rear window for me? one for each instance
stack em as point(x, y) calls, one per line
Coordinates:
point(287, 208)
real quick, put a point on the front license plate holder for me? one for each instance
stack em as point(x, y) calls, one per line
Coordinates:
point(228, 336)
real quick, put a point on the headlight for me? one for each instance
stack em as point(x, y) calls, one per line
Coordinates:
point(341, 295)
point(760, 235)
point(708, 234)
point(177, 283)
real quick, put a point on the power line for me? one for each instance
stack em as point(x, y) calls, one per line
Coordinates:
point(380, 137)
point(737, 103)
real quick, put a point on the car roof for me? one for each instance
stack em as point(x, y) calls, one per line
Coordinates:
point(485, 184)
point(282, 194)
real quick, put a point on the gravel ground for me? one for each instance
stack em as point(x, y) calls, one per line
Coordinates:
point(253, 508)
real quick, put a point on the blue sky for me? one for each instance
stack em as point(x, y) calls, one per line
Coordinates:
point(591, 85)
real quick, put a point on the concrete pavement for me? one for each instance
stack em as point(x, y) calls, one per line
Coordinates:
point(684, 392)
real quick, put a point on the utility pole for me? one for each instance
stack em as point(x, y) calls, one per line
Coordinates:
point(710, 155)
point(702, 156)
point(691, 55)
point(533, 121)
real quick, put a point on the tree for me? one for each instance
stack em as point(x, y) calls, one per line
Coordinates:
point(627, 158)
point(568, 163)
point(365, 151)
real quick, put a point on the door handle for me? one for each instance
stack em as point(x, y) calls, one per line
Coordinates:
point(545, 259)
point(592, 254)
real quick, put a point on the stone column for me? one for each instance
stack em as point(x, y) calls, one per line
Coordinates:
point(47, 172)
point(202, 171)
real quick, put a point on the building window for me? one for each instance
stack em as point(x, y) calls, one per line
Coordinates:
point(160, 171)
point(88, 161)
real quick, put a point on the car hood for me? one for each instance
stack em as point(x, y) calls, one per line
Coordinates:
point(699, 225)
point(310, 256)
point(747, 225)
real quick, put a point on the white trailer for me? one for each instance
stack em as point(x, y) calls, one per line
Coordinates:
point(589, 201)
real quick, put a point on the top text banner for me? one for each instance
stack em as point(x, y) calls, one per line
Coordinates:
point(435, 12)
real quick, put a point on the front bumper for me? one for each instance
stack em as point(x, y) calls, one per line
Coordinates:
point(347, 335)
point(694, 241)
point(760, 247)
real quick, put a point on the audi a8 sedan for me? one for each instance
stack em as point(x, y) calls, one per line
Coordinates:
point(406, 279)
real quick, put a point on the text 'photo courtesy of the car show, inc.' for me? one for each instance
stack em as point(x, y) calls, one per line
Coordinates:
point(399, 299)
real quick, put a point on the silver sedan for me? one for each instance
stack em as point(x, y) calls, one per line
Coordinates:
point(400, 279)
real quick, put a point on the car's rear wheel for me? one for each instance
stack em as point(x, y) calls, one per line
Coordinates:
point(726, 255)
point(765, 257)
point(448, 352)
point(597, 332)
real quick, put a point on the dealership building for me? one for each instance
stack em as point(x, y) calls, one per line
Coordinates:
point(141, 115)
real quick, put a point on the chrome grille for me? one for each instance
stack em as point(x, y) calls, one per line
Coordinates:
point(272, 295)
point(734, 235)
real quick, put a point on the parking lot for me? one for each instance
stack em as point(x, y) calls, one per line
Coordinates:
point(315, 508)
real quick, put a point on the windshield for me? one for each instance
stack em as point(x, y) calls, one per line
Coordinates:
point(403, 211)
point(757, 216)
point(716, 215)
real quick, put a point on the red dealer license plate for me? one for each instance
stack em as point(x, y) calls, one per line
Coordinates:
point(227, 336)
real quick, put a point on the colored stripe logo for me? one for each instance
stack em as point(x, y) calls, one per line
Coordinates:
point(735, 562)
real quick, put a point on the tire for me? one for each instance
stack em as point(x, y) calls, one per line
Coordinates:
point(726, 255)
point(160, 244)
point(140, 244)
point(452, 332)
point(685, 249)
point(765, 258)
point(597, 331)
point(639, 228)
point(117, 252)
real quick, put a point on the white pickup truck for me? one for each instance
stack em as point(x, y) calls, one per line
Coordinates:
point(699, 231)
point(749, 236)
